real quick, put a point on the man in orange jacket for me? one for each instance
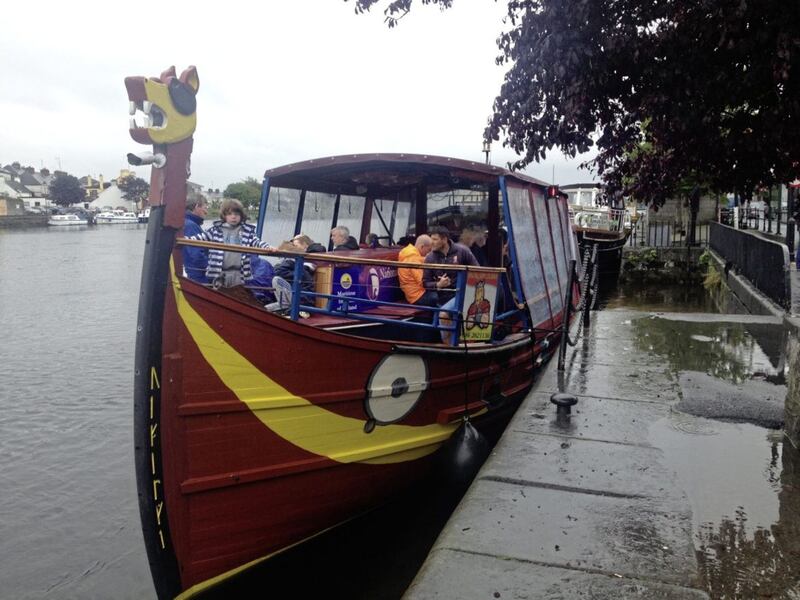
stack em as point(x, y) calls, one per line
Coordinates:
point(411, 279)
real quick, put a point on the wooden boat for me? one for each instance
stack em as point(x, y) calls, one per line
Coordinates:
point(256, 429)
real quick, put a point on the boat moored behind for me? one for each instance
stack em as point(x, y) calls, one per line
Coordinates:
point(116, 216)
point(66, 220)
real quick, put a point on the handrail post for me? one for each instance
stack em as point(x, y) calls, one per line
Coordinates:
point(562, 348)
point(294, 312)
point(461, 292)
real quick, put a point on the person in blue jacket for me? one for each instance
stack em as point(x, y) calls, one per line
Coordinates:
point(195, 260)
point(227, 268)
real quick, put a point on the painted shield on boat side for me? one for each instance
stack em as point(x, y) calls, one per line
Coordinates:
point(395, 386)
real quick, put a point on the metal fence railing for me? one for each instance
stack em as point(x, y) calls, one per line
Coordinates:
point(666, 234)
point(763, 262)
point(767, 220)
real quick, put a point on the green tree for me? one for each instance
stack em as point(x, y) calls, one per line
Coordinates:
point(135, 188)
point(709, 85)
point(248, 192)
point(66, 189)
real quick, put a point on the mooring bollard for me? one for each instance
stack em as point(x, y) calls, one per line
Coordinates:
point(564, 403)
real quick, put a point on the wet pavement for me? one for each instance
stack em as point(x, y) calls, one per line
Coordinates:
point(631, 497)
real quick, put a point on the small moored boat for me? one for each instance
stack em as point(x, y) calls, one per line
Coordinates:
point(258, 427)
point(66, 220)
point(608, 229)
point(116, 216)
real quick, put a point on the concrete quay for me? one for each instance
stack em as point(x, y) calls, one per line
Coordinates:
point(588, 507)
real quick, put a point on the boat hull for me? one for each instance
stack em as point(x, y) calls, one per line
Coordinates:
point(255, 432)
point(609, 250)
point(108, 221)
point(67, 223)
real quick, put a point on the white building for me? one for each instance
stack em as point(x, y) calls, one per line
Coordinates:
point(111, 197)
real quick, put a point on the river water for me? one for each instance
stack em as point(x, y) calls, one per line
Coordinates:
point(69, 521)
point(69, 518)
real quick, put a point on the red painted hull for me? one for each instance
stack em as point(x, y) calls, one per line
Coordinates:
point(236, 491)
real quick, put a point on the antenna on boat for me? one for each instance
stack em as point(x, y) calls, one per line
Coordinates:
point(487, 148)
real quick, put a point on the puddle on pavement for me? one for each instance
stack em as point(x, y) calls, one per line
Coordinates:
point(734, 352)
point(662, 298)
point(743, 484)
point(742, 481)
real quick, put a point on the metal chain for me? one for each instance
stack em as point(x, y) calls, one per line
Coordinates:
point(587, 281)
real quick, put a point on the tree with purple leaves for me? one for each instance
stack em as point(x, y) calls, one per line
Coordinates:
point(662, 90)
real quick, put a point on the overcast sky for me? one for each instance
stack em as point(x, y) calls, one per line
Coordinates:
point(280, 81)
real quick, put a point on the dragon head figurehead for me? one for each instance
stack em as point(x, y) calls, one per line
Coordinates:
point(170, 117)
point(168, 103)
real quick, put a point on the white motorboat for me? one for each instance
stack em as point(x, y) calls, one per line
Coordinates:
point(64, 220)
point(116, 216)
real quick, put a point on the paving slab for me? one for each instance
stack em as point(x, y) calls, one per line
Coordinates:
point(612, 420)
point(490, 577)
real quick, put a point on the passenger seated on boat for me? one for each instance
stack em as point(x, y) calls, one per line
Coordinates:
point(195, 260)
point(444, 251)
point(305, 244)
point(373, 241)
point(229, 269)
point(262, 278)
point(411, 279)
point(411, 285)
point(475, 239)
point(342, 240)
point(285, 268)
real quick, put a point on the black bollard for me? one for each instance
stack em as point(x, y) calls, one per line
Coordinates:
point(564, 403)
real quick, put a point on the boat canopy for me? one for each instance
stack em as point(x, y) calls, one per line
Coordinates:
point(390, 196)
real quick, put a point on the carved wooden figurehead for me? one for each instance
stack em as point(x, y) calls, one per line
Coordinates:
point(169, 107)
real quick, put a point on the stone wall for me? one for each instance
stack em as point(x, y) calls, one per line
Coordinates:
point(675, 211)
point(23, 221)
point(792, 417)
point(10, 207)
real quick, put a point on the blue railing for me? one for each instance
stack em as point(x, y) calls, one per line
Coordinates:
point(338, 305)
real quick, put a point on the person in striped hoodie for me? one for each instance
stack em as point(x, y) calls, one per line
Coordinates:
point(225, 268)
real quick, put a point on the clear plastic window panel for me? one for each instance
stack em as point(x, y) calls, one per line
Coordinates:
point(384, 205)
point(546, 248)
point(351, 212)
point(281, 216)
point(570, 242)
point(529, 263)
point(558, 233)
point(318, 216)
point(458, 209)
point(402, 220)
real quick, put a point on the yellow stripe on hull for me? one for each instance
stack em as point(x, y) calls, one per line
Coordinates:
point(297, 420)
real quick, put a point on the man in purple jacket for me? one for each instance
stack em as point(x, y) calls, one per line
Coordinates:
point(444, 252)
